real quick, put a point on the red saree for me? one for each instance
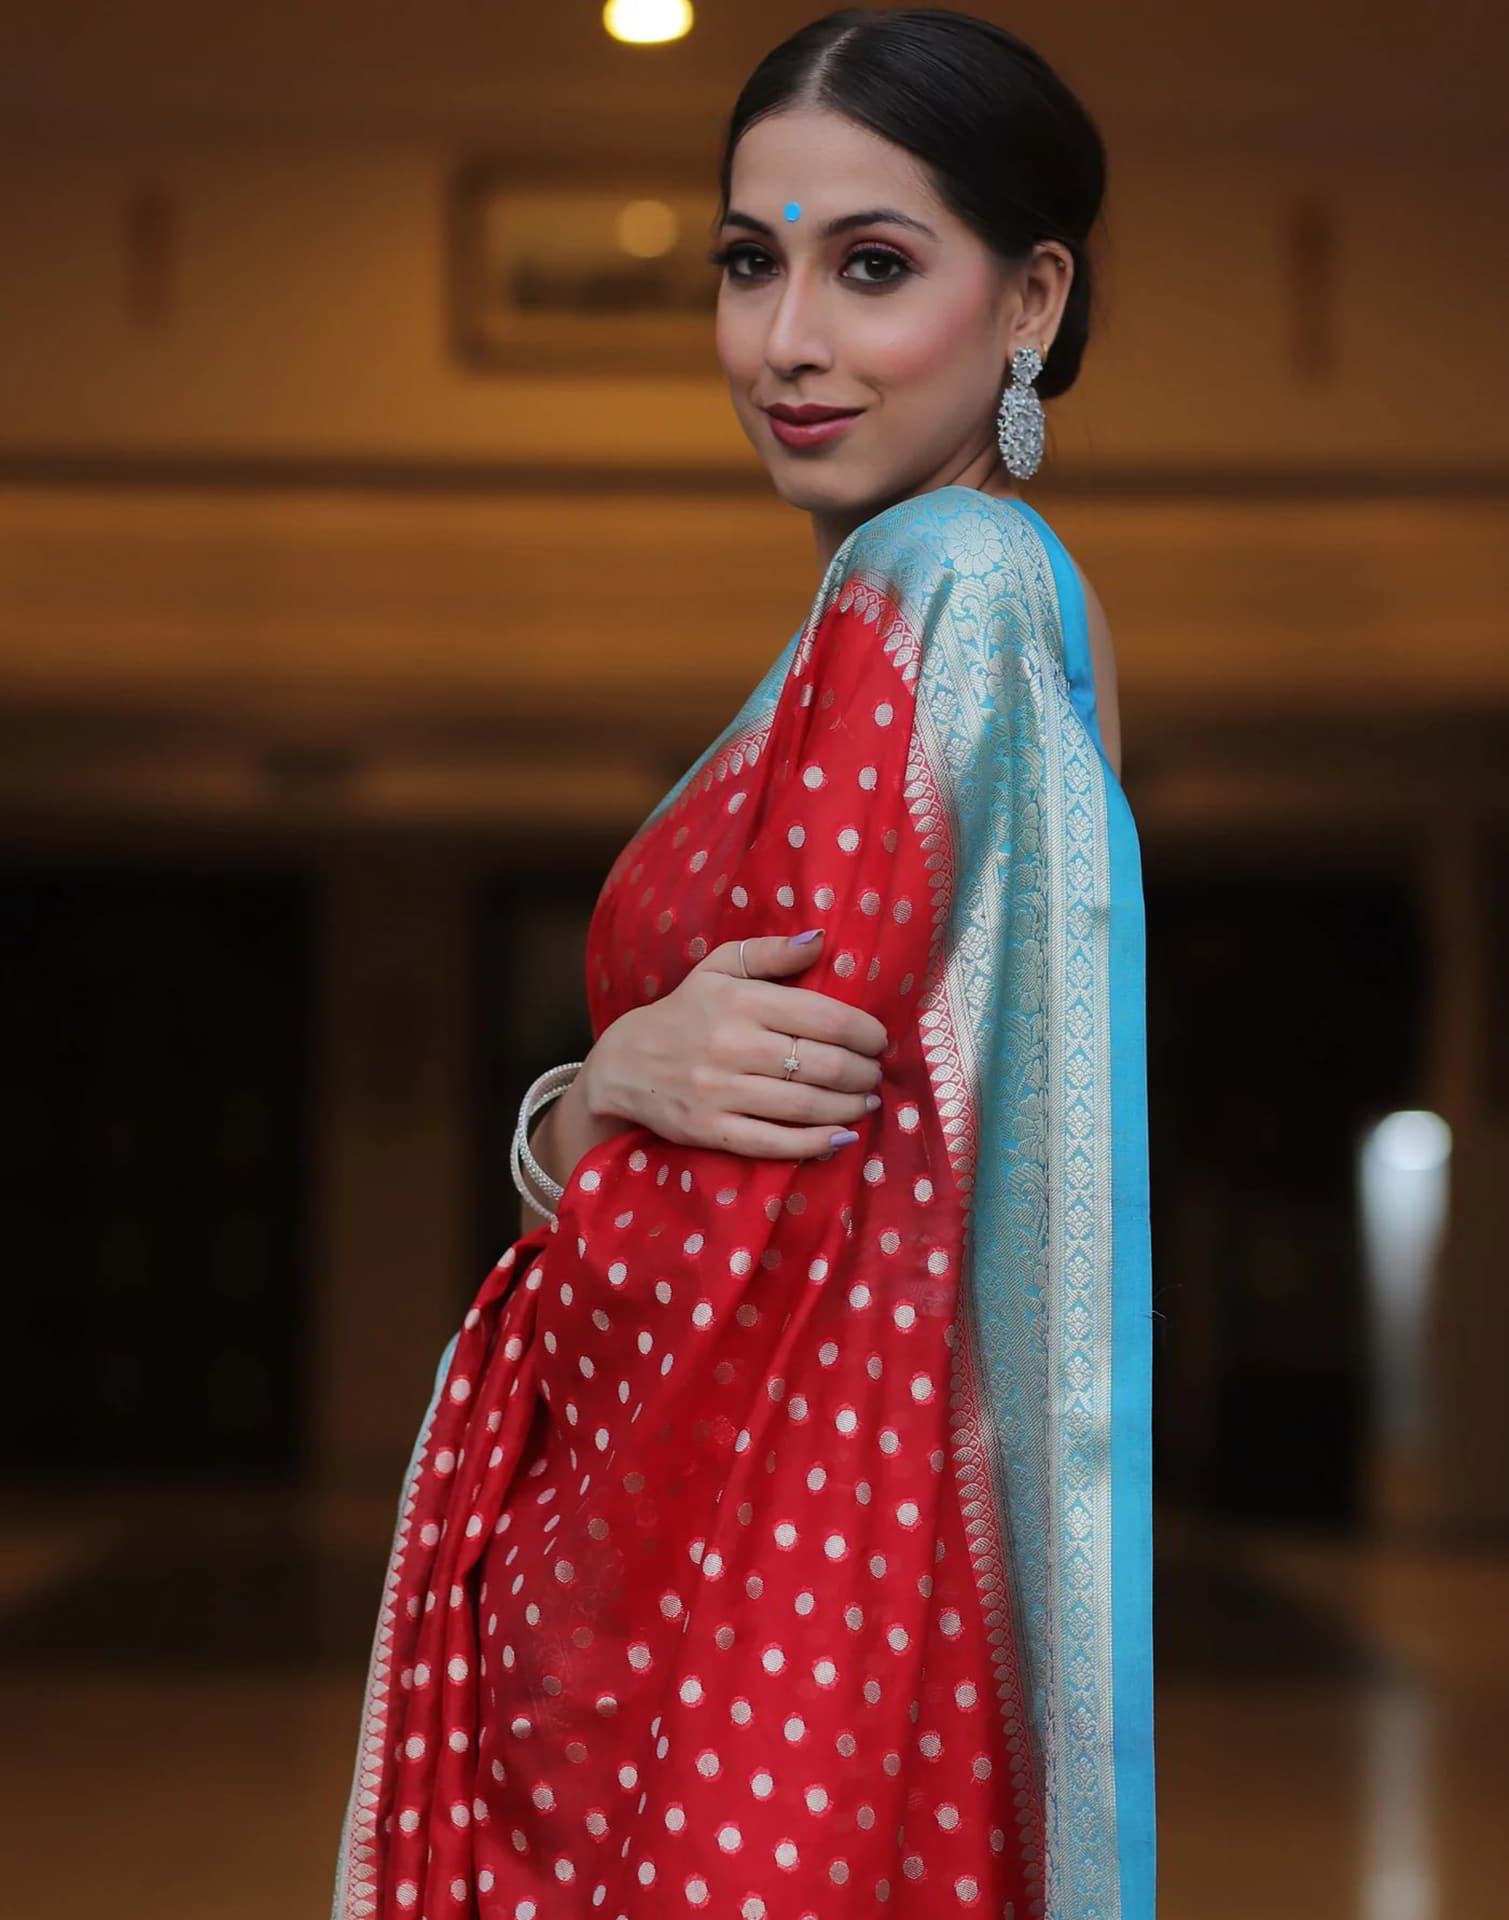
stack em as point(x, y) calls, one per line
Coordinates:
point(686, 1609)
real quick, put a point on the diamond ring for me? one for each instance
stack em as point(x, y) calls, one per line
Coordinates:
point(790, 1064)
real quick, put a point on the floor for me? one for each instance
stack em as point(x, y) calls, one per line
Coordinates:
point(180, 1678)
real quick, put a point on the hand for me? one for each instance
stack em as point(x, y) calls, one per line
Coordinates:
point(704, 1065)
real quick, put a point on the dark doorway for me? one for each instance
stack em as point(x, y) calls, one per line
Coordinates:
point(154, 1131)
point(1286, 1003)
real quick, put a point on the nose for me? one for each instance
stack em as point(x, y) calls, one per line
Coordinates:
point(798, 339)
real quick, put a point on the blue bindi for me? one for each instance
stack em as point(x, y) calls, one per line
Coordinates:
point(793, 210)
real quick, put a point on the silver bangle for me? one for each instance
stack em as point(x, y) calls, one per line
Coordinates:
point(527, 1171)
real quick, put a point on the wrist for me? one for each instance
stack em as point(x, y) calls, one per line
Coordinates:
point(534, 1180)
point(603, 1093)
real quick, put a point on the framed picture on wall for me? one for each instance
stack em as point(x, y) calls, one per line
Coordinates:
point(580, 276)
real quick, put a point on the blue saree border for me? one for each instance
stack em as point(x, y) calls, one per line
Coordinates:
point(967, 593)
point(1131, 1295)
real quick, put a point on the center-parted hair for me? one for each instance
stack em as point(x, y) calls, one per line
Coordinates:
point(1010, 149)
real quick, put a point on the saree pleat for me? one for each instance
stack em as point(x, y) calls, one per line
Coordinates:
point(777, 1540)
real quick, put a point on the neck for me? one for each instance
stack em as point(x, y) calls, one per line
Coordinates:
point(986, 472)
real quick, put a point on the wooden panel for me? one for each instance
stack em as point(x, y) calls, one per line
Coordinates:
point(444, 657)
point(210, 599)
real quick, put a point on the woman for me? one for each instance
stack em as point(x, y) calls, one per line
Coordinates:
point(776, 1544)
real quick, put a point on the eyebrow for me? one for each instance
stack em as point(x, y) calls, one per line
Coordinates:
point(845, 223)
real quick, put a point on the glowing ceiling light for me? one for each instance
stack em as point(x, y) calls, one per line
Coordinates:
point(644, 22)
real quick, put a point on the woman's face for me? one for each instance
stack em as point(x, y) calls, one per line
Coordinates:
point(848, 284)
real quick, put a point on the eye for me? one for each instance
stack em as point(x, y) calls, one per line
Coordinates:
point(885, 267)
point(742, 260)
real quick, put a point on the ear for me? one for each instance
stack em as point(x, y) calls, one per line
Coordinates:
point(1043, 291)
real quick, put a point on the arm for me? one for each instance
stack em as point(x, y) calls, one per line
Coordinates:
point(702, 1066)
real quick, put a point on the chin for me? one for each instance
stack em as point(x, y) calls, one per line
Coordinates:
point(817, 489)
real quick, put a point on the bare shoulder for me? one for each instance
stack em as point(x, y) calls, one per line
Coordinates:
point(1103, 663)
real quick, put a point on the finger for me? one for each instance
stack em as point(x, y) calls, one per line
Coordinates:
point(765, 1140)
point(819, 1065)
point(794, 1105)
point(816, 1016)
point(766, 956)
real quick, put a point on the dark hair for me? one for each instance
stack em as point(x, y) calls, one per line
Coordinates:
point(1009, 147)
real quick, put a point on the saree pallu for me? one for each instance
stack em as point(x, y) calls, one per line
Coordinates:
point(777, 1541)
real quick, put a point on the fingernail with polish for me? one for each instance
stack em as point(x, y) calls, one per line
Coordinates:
point(801, 939)
point(845, 1137)
point(872, 1101)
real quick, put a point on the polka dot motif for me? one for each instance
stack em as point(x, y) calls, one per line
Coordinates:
point(715, 1642)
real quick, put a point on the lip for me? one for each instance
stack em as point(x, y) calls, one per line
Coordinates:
point(809, 425)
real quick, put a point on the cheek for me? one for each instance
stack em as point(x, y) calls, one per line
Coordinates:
point(736, 340)
point(929, 342)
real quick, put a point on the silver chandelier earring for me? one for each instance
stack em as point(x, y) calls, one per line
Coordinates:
point(1019, 424)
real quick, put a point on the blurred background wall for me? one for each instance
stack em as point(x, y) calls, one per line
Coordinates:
point(343, 640)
